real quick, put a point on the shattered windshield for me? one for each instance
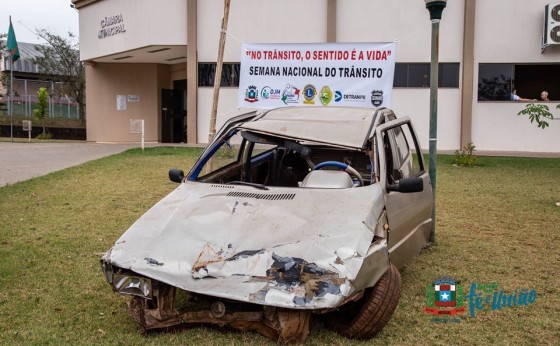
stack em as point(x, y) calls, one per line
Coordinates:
point(259, 160)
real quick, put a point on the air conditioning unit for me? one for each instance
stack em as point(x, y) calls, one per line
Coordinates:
point(551, 32)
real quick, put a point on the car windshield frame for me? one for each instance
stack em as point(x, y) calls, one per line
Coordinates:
point(336, 126)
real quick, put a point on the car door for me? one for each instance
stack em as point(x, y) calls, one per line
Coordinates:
point(408, 212)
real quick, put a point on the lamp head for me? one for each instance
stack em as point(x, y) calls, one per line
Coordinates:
point(436, 8)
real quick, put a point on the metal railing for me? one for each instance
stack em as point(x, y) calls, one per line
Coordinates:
point(25, 100)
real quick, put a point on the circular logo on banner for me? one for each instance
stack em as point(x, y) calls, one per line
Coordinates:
point(337, 96)
point(290, 94)
point(309, 93)
point(270, 93)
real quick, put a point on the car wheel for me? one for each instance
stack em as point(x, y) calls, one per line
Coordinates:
point(364, 318)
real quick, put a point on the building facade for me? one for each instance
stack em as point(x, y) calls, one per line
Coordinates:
point(155, 61)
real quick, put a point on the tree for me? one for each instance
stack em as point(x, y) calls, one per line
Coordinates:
point(60, 62)
point(5, 81)
point(40, 111)
point(538, 113)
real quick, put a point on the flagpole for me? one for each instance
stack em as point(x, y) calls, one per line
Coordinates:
point(11, 100)
point(11, 44)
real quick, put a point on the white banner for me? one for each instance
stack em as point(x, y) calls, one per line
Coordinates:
point(321, 74)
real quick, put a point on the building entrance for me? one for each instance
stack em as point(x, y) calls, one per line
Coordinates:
point(173, 116)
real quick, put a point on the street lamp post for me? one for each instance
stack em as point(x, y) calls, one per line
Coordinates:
point(436, 9)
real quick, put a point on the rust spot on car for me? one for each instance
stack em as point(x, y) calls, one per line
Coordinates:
point(207, 256)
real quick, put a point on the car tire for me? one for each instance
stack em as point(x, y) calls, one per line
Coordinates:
point(366, 317)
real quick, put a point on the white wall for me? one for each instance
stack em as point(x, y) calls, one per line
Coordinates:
point(250, 21)
point(497, 127)
point(415, 103)
point(146, 22)
point(408, 22)
point(258, 21)
point(295, 21)
point(511, 32)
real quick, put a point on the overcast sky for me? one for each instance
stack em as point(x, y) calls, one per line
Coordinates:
point(27, 15)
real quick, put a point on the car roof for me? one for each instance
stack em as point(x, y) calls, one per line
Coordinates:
point(345, 127)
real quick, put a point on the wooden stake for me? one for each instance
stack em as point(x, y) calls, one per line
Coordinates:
point(218, 75)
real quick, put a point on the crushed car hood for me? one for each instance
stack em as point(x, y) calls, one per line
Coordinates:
point(274, 247)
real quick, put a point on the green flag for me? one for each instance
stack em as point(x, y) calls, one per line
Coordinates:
point(12, 43)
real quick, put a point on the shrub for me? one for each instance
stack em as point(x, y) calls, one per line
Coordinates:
point(44, 135)
point(465, 156)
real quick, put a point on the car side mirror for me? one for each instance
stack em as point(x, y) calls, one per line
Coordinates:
point(407, 185)
point(176, 175)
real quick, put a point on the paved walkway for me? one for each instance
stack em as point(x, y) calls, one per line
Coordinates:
point(22, 161)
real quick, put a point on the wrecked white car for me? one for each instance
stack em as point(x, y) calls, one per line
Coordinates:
point(289, 214)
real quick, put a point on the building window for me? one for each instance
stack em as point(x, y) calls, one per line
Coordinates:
point(496, 82)
point(417, 75)
point(230, 74)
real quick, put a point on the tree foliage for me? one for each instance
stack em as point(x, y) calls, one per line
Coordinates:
point(40, 110)
point(60, 62)
point(538, 113)
point(3, 44)
point(4, 80)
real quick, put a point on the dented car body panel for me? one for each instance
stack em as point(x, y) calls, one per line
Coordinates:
point(297, 211)
point(349, 128)
point(253, 241)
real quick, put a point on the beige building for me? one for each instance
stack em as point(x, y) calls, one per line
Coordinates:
point(154, 60)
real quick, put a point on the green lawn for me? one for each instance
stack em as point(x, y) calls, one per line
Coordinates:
point(496, 223)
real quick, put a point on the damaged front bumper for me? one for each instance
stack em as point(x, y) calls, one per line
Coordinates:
point(289, 293)
point(159, 306)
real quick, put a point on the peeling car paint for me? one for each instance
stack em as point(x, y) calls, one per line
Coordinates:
point(152, 261)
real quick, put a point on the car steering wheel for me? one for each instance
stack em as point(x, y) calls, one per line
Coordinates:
point(351, 171)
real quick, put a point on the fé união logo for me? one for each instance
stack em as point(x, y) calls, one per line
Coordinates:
point(489, 296)
point(444, 297)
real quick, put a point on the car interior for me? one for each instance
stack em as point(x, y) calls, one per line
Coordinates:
point(272, 161)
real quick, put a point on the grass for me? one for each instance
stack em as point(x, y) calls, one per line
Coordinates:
point(496, 223)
